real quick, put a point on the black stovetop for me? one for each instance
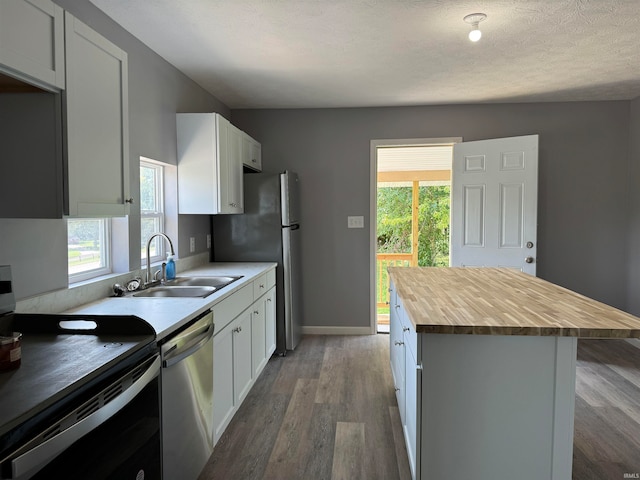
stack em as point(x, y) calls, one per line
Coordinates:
point(61, 359)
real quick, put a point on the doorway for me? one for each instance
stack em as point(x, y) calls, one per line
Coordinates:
point(411, 187)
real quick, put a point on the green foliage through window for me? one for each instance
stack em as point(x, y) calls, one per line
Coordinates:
point(394, 223)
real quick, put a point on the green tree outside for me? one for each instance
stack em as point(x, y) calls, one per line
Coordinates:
point(394, 223)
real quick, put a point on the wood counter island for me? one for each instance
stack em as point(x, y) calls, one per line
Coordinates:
point(484, 365)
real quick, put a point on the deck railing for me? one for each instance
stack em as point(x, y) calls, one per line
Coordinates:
point(383, 261)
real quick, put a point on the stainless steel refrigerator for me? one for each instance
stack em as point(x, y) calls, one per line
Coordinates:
point(268, 231)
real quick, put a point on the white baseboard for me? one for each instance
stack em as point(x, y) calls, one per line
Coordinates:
point(336, 330)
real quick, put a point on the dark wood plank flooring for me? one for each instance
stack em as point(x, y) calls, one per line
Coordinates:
point(328, 411)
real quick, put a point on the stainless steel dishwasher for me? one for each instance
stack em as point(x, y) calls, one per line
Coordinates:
point(187, 399)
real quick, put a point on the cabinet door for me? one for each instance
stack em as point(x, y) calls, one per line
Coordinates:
point(251, 153)
point(32, 41)
point(230, 186)
point(242, 368)
point(258, 333)
point(410, 427)
point(223, 404)
point(270, 323)
point(395, 337)
point(96, 124)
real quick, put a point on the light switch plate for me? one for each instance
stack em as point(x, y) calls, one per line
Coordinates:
point(355, 221)
point(192, 244)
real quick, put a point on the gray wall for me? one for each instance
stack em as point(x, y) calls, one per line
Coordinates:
point(633, 290)
point(582, 234)
point(37, 248)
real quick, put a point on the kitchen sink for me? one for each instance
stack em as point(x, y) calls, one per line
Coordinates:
point(218, 282)
point(188, 287)
point(176, 291)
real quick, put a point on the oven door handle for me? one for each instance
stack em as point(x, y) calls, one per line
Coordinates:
point(34, 459)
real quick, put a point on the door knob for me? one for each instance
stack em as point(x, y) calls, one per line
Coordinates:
point(529, 259)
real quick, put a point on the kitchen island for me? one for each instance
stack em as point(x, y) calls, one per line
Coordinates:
point(484, 364)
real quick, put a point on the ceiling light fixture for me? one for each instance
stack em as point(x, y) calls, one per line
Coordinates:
point(474, 19)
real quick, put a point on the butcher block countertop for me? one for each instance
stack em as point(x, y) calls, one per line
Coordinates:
point(503, 301)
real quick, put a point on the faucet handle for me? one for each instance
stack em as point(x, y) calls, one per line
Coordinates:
point(164, 273)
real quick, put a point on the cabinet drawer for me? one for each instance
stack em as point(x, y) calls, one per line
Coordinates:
point(409, 334)
point(229, 308)
point(263, 283)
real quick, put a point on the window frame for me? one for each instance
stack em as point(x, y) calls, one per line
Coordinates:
point(105, 252)
point(158, 213)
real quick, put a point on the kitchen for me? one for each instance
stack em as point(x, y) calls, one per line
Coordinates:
point(596, 218)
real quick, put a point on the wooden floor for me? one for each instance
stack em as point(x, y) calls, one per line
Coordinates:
point(328, 411)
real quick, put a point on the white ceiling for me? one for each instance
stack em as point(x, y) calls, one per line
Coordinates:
point(351, 53)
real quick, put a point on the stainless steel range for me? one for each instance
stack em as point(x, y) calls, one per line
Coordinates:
point(84, 403)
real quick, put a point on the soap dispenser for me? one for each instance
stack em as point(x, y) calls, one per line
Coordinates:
point(170, 272)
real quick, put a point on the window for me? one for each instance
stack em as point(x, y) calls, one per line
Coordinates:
point(88, 248)
point(151, 209)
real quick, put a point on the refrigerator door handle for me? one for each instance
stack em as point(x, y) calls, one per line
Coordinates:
point(294, 227)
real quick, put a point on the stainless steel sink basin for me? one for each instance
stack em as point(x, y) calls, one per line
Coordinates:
point(218, 281)
point(176, 291)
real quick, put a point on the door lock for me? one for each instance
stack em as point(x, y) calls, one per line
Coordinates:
point(529, 244)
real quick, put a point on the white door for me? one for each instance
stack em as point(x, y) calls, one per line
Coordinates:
point(495, 203)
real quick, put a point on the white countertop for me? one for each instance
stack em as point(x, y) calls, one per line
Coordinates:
point(167, 314)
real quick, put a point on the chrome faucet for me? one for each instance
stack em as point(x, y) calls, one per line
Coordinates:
point(148, 275)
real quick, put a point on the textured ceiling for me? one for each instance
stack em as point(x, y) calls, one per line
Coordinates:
point(346, 53)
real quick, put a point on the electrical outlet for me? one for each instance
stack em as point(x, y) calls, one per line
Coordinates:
point(355, 221)
point(192, 244)
point(208, 240)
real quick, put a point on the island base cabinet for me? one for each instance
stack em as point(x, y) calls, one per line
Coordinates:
point(497, 407)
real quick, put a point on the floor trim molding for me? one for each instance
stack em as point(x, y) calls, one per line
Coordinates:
point(336, 330)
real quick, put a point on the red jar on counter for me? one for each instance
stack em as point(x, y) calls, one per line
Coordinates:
point(10, 351)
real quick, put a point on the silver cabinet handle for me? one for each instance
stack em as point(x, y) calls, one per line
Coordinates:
point(269, 300)
point(129, 200)
point(398, 343)
point(396, 389)
point(255, 312)
point(405, 329)
point(237, 329)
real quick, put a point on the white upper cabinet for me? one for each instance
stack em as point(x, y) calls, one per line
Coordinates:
point(32, 42)
point(96, 126)
point(251, 153)
point(209, 164)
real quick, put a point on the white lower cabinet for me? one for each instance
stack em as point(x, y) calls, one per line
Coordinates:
point(223, 404)
point(270, 322)
point(242, 369)
point(406, 369)
point(258, 332)
point(242, 345)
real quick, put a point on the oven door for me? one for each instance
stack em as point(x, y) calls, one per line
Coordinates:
point(113, 435)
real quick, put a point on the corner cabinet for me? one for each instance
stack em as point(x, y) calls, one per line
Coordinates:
point(406, 370)
point(242, 345)
point(95, 124)
point(209, 164)
point(32, 42)
point(251, 153)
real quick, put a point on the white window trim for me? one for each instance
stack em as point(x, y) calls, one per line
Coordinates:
point(158, 213)
point(106, 254)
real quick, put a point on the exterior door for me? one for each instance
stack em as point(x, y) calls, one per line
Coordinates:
point(494, 203)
